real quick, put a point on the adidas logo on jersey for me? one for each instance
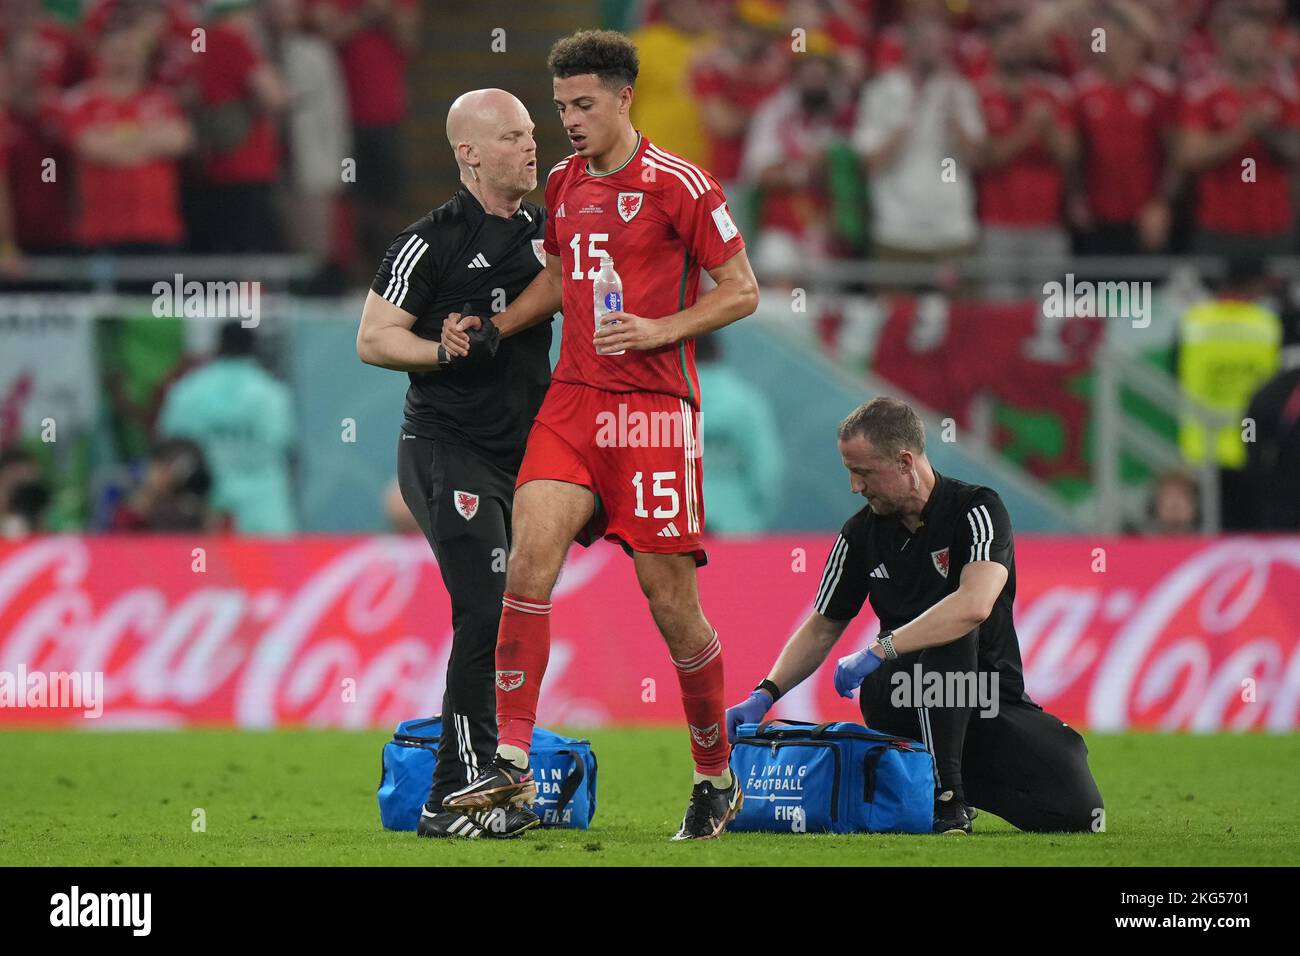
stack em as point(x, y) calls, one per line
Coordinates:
point(880, 572)
point(559, 213)
point(670, 531)
point(478, 262)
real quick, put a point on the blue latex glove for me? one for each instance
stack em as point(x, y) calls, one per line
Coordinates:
point(750, 711)
point(852, 670)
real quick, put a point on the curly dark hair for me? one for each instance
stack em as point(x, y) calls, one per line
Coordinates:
point(607, 53)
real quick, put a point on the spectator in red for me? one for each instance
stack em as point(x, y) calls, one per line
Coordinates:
point(126, 137)
point(1240, 141)
point(1031, 141)
point(1126, 110)
point(61, 60)
point(241, 96)
point(39, 174)
point(785, 159)
point(845, 22)
point(375, 40)
point(745, 66)
point(168, 26)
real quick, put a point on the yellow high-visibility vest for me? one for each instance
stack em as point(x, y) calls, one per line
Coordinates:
point(1228, 350)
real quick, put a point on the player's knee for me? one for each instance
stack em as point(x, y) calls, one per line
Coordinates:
point(531, 571)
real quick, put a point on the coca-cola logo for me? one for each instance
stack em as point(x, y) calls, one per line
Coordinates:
point(1211, 643)
point(356, 632)
point(315, 632)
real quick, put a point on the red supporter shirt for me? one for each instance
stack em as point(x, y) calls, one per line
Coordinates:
point(62, 64)
point(120, 204)
point(1026, 191)
point(224, 73)
point(661, 219)
point(42, 210)
point(374, 68)
point(175, 61)
point(1123, 130)
point(1224, 203)
point(737, 87)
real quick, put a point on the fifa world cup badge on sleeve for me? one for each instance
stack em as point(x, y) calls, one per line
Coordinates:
point(722, 219)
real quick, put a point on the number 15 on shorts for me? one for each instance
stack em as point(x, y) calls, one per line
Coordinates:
point(658, 492)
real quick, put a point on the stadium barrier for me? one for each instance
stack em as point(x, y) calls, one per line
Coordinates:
point(1199, 634)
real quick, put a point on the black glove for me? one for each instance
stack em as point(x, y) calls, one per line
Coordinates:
point(484, 342)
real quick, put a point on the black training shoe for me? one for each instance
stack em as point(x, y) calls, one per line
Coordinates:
point(501, 784)
point(499, 823)
point(448, 823)
point(502, 823)
point(710, 810)
point(951, 814)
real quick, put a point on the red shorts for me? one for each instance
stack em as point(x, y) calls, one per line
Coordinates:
point(640, 455)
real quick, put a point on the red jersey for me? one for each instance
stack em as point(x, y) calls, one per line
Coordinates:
point(1123, 131)
point(42, 210)
point(661, 219)
point(224, 76)
point(743, 86)
point(62, 64)
point(1224, 202)
point(374, 68)
point(121, 204)
point(1026, 191)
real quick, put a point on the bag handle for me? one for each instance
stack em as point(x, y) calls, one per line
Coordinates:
point(571, 782)
point(762, 728)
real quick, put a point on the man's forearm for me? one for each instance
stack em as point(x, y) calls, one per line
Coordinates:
point(398, 349)
point(541, 300)
point(801, 656)
point(943, 623)
point(730, 300)
point(1208, 149)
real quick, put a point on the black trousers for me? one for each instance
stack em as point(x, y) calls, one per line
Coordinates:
point(471, 553)
point(1022, 764)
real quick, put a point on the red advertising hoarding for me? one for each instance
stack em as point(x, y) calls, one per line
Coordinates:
point(1187, 634)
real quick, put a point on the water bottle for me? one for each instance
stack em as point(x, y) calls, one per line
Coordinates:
point(608, 293)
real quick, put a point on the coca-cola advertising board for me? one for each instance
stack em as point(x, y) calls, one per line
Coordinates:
point(1175, 634)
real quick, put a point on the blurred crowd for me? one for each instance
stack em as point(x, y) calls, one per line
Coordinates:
point(907, 131)
point(923, 129)
point(216, 126)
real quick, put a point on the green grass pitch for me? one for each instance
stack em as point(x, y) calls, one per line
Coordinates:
point(308, 798)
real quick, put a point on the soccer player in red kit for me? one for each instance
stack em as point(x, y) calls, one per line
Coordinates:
point(661, 220)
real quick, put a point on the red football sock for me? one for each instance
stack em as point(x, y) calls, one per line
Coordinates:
point(702, 699)
point(523, 648)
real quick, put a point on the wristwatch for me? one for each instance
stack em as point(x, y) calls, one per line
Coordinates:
point(886, 641)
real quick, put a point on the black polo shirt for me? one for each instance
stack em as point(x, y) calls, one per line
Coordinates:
point(906, 573)
point(455, 254)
